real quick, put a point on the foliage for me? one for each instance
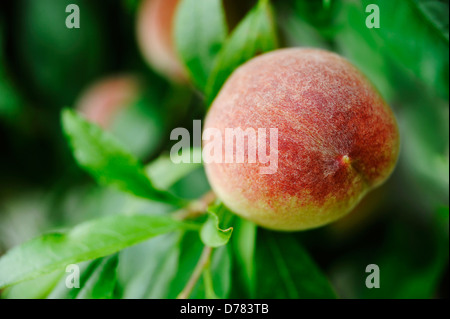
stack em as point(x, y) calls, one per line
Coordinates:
point(138, 225)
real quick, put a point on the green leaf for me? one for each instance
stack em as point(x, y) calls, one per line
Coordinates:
point(296, 31)
point(424, 120)
point(106, 160)
point(97, 280)
point(200, 30)
point(183, 187)
point(407, 34)
point(87, 241)
point(211, 233)
point(101, 282)
point(61, 290)
point(285, 270)
point(146, 270)
point(436, 11)
point(208, 284)
point(244, 245)
point(164, 172)
point(37, 288)
point(319, 15)
point(191, 248)
point(415, 42)
point(140, 126)
point(359, 45)
point(255, 34)
point(220, 275)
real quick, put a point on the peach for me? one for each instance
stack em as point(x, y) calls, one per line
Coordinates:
point(103, 100)
point(155, 23)
point(337, 138)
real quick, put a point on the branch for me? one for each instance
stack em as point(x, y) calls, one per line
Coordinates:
point(196, 208)
point(202, 263)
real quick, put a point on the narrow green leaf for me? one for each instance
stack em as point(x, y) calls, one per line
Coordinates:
point(244, 245)
point(107, 161)
point(191, 248)
point(285, 270)
point(190, 251)
point(87, 241)
point(37, 288)
point(216, 280)
point(97, 280)
point(255, 34)
point(61, 290)
point(208, 284)
point(211, 233)
point(200, 30)
point(140, 125)
point(221, 271)
point(146, 270)
point(424, 120)
point(164, 172)
point(102, 281)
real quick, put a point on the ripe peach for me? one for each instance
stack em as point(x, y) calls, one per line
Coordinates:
point(337, 138)
point(155, 24)
point(102, 101)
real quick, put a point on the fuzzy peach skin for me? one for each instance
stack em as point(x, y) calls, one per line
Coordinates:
point(337, 138)
point(103, 100)
point(155, 24)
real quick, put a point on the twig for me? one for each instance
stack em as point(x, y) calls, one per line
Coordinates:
point(196, 208)
point(193, 210)
point(202, 263)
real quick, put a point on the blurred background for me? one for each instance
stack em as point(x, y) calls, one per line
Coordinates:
point(120, 69)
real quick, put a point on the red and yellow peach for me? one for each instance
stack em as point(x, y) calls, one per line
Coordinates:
point(102, 101)
point(337, 138)
point(155, 23)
